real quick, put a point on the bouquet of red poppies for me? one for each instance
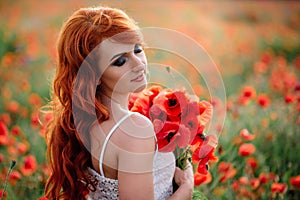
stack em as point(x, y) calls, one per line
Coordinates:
point(179, 121)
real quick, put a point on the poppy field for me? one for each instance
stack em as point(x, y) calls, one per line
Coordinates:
point(255, 46)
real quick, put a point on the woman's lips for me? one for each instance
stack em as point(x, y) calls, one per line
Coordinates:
point(139, 78)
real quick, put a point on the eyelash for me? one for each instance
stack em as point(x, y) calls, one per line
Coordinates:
point(121, 61)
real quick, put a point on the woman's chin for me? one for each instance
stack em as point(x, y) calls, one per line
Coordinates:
point(140, 88)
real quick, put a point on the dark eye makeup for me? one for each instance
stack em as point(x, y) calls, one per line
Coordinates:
point(122, 59)
point(138, 48)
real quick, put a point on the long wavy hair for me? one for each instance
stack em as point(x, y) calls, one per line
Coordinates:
point(68, 139)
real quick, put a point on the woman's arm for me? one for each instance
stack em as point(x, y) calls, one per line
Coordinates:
point(135, 160)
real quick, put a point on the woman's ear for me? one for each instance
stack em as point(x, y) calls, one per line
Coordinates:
point(99, 82)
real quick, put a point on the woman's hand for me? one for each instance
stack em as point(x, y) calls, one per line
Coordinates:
point(184, 177)
point(185, 180)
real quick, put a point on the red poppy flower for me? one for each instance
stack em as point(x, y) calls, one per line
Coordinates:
point(244, 100)
point(254, 183)
point(3, 134)
point(157, 112)
point(14, 177)
point(4, 195)
point(34, 99)
point(289, 98)
point(278, 188)
point(15, 130)
point(263, 100)
point(202, 178)
point(141, 102)
point(260, 67)
point(224, 167)
point(263, 178)
point(230, 173)
point(12, 106)
point(29, 166)
point(35, 120)
point(252, 162)
point(191, 122)
point(243, 180)
point(175, 103)
point(244, 133)
point(246, 149)
point(206, 111)
point(295, 181)
point(204, 153)
point(200, 137)
point(43, 198)
point(22, 147)
point(170, 135)
point(248, 92)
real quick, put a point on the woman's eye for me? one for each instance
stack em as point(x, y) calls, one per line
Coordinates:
point(120, 61)
point(138, 49)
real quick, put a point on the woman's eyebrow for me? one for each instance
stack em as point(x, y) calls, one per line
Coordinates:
point(117, 55)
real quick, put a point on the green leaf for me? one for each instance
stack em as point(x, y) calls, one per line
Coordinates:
point(197, 195)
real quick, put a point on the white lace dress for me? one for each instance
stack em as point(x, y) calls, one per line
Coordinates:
point(106, 188)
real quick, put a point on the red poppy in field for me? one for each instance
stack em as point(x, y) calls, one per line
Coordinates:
point(35, 120)
point(224, 167)
point(29, 166)
point(289, 98)
point(43, 198)
point(12, 106)
point(243, 100)
point(244, 133)
point(266, 57)
point(295, 181)
point(254, 183)
point(22, 147)
point(243, 180)
point(246, 149)
point(5, 118)
point(34, 99)
point(260, 67)
point(3, 134)
point(202, 178)
point(230, 173)
point(248, 92)
point(252, 162)
point(4, 195)
point(14, 177)
point(263, 100)
point(279, 188)
point(16, 130)
point(263, 178)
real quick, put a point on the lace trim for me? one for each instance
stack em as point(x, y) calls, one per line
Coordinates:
point(106, 188)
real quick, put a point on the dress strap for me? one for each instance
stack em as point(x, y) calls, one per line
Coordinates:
point(107, 139)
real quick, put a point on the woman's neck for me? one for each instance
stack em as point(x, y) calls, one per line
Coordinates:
point(115, 101)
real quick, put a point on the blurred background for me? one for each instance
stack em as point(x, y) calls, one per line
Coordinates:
point(256, 46)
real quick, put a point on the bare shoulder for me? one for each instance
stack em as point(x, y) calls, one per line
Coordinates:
point(136, 133)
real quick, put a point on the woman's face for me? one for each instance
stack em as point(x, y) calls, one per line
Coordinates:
point(123, 67)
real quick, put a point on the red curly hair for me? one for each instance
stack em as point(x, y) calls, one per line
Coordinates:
point(68, 138)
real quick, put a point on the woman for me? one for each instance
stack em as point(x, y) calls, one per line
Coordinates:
point(96, 147)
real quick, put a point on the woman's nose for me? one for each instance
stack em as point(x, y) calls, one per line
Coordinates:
point(138, 63)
